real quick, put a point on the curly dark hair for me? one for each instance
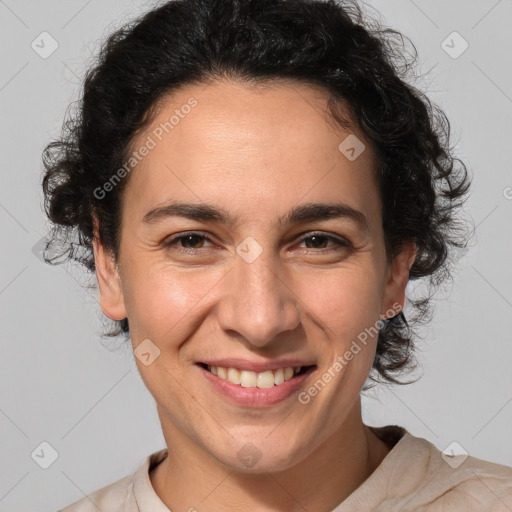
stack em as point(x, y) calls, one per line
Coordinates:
point(331, 44)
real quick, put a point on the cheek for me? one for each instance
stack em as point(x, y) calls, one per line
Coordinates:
point(163, 302)
point(169, 303)
point(345, 300)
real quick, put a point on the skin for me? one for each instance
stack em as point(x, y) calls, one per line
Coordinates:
point(256, 151)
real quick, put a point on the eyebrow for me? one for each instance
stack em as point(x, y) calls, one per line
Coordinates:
point(308, 212)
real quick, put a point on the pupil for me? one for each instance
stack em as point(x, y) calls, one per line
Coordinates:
point(315, 237)
point(188, 237)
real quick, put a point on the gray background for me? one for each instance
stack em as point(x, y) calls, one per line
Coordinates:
point(62, 384)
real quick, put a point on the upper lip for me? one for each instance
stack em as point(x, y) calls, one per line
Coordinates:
point(257, 367)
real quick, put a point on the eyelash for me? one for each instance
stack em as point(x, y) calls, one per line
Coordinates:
point(340, 243)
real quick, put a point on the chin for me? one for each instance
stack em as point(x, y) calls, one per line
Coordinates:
point(258, 454)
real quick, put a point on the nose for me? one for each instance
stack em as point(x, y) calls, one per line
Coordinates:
point(258, 302)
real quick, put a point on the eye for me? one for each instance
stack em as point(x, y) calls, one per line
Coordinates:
point(319, 239)
point(193, 239)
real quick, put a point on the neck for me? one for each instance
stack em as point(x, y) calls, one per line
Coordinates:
point(189, 479)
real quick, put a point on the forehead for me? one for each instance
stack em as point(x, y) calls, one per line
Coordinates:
point(251, 148)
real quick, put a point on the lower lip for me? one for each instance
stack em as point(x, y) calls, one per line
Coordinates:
point(256, 397)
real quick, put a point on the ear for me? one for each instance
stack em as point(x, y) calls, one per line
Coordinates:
point(109, 281)
point(397, 279)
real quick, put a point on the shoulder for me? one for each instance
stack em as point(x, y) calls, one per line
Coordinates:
point(454, 480)
point(479, 484)
point(416, 476)
point(114, 497)
point(124, 494)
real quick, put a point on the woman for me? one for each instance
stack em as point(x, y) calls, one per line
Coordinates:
point(254, 184)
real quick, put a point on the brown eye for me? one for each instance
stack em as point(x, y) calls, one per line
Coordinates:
point(193, 240)
point(188, 242)
point(319, 241)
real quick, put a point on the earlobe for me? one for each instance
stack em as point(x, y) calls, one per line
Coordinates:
point(109, 282)
point(398, 277)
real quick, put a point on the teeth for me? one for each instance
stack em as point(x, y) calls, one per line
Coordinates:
point(279, 377)
point(234, 376)
point(288, 373)
point(265, 380)
point(247, 379)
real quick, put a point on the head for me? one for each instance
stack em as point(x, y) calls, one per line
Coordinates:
point(255, 181)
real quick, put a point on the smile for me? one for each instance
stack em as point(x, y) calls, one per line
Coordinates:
point(256, 389)
point(248, 379)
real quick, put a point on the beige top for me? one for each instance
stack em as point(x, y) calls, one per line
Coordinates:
point(413, 477)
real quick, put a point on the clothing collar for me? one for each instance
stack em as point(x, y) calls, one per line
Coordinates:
point(148, 500)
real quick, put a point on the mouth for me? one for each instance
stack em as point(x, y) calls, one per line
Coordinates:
point(251, 379)
point(256, 388)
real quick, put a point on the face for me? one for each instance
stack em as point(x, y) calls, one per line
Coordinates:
point(251, 279)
